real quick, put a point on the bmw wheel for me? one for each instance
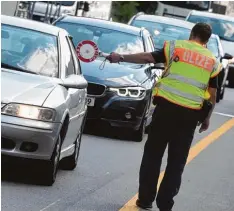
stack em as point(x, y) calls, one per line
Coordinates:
point(139, 134)
point(218, 96)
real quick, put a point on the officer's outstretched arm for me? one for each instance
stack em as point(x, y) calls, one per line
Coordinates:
point(139, 58)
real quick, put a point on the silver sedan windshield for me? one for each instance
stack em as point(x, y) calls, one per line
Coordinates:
point(29, 50)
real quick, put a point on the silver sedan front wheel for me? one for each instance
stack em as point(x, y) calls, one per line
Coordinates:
point(50, 168)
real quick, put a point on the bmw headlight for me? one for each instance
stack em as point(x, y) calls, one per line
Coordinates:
point(29, 112)
point(134, 92)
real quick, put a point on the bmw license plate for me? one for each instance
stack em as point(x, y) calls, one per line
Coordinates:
point(90, 101)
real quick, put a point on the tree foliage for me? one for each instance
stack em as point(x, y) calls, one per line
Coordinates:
point(123, 11)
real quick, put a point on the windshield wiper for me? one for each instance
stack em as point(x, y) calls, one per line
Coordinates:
point(17, 68)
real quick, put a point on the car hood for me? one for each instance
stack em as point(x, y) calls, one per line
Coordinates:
point(116, 75)
point(228, 47)
point(25, 88)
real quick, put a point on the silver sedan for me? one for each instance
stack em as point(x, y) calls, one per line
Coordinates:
point(43, 104)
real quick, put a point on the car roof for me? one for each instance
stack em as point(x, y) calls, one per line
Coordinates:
point(30, 24)
point(101, 23)
point(166, 20)
point(212, 15)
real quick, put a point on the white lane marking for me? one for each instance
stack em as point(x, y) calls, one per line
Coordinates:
point(50, 205)
point(223, 114)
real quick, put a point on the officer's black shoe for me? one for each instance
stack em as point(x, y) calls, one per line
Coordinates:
point(144, 205)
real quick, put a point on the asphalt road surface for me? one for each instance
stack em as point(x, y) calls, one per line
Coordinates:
point(107, 175)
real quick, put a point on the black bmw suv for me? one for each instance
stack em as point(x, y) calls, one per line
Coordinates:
point(119, 94)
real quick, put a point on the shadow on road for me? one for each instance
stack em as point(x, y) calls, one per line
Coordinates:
point(105, 130)
point(21, 171)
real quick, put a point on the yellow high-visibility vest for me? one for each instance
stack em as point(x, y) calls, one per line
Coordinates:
point(189, 69)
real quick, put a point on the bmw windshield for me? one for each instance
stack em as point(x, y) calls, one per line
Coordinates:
point(107, 40)
point(29, 51)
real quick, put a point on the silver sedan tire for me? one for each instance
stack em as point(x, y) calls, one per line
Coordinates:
point(50, 168)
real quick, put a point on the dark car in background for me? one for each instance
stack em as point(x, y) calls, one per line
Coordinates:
point(223, 26)
point(119, 94)
point(165, 28)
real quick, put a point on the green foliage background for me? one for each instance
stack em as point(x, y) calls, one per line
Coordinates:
point(122, 11)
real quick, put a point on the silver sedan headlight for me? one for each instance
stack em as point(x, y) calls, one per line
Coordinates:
point(29, 112)
point(134, 92)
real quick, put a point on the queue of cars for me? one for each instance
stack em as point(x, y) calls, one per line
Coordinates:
point(48, 94)
point(120, 94)
point(44, 90)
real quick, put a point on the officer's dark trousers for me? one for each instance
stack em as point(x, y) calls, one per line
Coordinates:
point(172, 126)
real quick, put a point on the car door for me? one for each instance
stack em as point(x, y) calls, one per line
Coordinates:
point(75, 97)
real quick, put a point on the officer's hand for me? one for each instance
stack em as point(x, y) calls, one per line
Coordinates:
point(114, 58)
point(204, 126)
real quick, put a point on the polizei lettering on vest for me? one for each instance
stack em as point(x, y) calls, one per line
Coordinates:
point(196, 59)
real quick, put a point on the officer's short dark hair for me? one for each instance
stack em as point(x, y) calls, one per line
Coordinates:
point(202, 31)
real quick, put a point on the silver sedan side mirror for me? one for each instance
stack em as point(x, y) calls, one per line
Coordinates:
point(75, 81)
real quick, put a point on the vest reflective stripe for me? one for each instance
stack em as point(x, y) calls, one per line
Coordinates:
point(197, 99)
point(171, 53)
point(171, 49)
point(187, 81)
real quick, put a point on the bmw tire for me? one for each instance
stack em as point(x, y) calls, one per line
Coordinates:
point(218, 95)
point(139, 134)
point(222, 94)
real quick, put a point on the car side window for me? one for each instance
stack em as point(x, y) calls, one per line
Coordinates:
point(74, 55)
point(68, 58)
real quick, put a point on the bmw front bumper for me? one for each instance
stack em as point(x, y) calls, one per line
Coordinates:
point(118, 111)
point(27, 138)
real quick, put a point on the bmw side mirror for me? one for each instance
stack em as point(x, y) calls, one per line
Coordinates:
point(75, 81)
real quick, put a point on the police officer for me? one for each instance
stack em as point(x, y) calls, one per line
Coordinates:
point(190, 78)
